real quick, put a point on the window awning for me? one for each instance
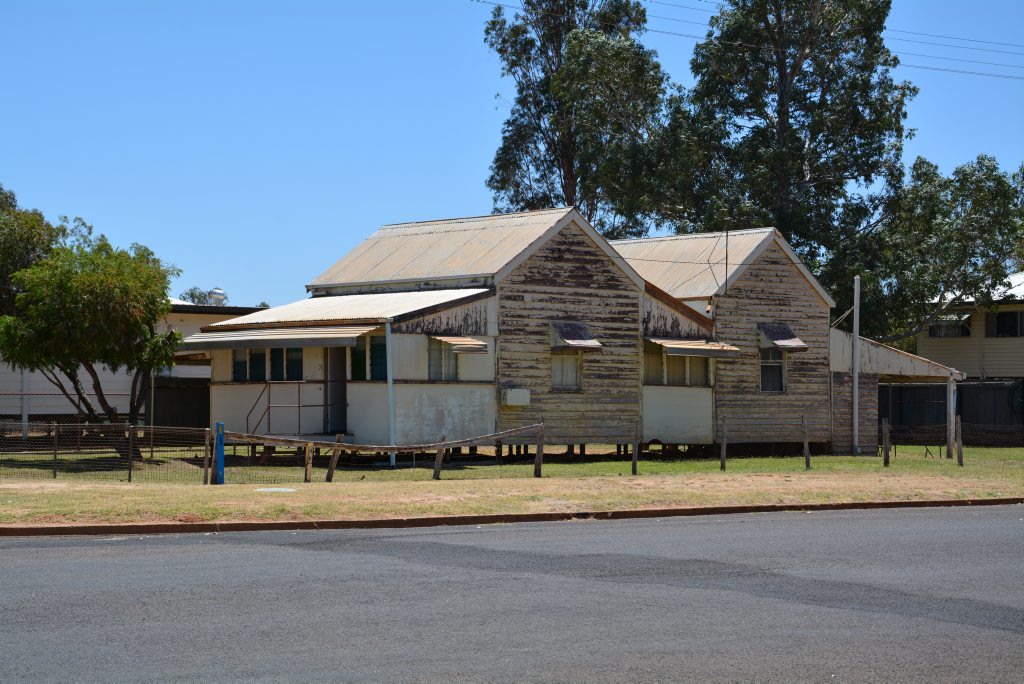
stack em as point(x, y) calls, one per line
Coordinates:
point(464, 345)
point(703, 348)
point(567, 335)
point(780, 336)
point(324, 336)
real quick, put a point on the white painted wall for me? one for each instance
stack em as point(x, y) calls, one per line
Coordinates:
point(409, 357)
point(424, 412)
point(678, 415)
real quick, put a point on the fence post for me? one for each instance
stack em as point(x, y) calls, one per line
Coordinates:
point(206, 457)
point(885, 442)
point(725, 440)
point(807, 444)
point(218, 456)
point(636, 445)
point(131, 447)
point(55, 428)
point(335, 453)
point(959, 442)
point(538, 461)
point(307, 475)
point(439, 459)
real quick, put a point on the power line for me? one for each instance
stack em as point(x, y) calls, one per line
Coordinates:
point(768, 48)
point(889, 30)
point(960, 71)
point(937, 35)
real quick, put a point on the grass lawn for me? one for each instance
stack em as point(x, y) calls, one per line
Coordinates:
point(601, 485)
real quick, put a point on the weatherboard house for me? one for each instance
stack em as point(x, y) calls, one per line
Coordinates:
point(470, 326)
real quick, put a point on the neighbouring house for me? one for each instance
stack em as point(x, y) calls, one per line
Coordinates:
point(180, 394)
point(987, 344)
point(457, 328)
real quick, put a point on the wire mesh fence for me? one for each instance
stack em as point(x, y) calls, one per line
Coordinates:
point(974, 434)
point(90, 451)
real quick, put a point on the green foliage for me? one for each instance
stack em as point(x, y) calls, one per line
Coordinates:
point(803, 91)
point(89, 304)
point(25, 237)
point(936, 241)
point(588, 100)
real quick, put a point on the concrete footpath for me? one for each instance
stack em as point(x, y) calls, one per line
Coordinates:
point(493, 519)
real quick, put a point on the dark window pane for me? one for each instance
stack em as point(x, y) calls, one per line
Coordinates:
point(771, 378)
point(277, 364)
point(239, 365)
point(294, 371)
point(359, 359)
point(257, 365)
point(1008, 324)
point(378, 358)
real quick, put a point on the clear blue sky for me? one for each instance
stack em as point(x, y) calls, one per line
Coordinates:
point(253, 143)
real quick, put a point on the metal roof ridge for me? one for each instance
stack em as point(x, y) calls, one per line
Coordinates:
point(687, 236)
point(479, 217)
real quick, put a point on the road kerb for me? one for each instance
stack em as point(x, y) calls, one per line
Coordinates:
point(454, 520)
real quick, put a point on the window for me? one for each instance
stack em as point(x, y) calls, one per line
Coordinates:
point(276, 364)
point(952, 325)
point(239, 362)
point(565, 369)
point(697, 371)
point(675, 371)
point(378, 358)
point(687, 371)
point(373, 359)
point(359, 359)
point(293, 363)
point(653, 355)
point(773, 370)
point(442, 361)
point(251, 365)
point(1004, 324)
point(257, 365)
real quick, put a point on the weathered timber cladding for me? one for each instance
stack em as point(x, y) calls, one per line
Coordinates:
point(571, 279)
point(467, 319)
point(842, 413)
point(661, 321)
point(772, 290)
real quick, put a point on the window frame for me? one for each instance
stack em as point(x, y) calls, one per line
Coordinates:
point(961, 322)
point(992, 324)
point(781, 363)
point(448, 358)
point(562, 354)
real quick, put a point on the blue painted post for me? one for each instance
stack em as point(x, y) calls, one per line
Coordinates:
point(218, 468)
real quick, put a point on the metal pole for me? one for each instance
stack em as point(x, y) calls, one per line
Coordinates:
point(24, 404)
point(856, 365)
point(218, 472)
point(391, 391)
point(950, 413)
point(131, 448)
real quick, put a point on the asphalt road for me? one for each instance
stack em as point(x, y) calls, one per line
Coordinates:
point(924, 594)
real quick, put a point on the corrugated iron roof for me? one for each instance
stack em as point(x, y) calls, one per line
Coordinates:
point(431, 250)
point(706, 348)
point(359, 307)
point(321, 336)
point(692, 266)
